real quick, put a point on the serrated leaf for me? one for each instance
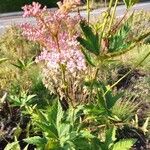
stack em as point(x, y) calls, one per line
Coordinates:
point(36, 140)
point(49, 129)
point(118, 41)
point(60, 114)
point(64, 130)
point(91, 40)
point(88, 58)
point(41, 115)
point(125, 144)
point(87, 45)
point(111, 99)
point(52, 113)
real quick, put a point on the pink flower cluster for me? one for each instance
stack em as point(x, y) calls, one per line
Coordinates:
point(56, 33)
point(69, 55)
point(33, 10)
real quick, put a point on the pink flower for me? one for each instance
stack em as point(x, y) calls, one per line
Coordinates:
point(32, 10)
point(56, 33)
point(69, 55)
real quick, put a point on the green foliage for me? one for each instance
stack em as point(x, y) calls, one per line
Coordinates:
point(19, 54)
point(100, 44)
point(105, 44)
point(111, 144)
point(125, 109)
point(109, 138)
point(92, 125)
point(91, 41)
point(61, 130)
point(36, 140)
point(22, 100)
point(24, 64)
point(130, 3)
point(123, 144)
point(105, 100)
point(119, 40)
point(12, 146)
point(65, 130)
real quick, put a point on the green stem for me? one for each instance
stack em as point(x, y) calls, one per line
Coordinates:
point(106, 18)
point(110, 3)
point(147, 55)
point(113, 14)
point(65, 84)
point(88, 10)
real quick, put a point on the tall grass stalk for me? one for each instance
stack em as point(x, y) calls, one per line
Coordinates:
point(88, 10)
point(113, 14)
point(110, 4)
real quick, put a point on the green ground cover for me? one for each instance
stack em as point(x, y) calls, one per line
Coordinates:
point(104, 107)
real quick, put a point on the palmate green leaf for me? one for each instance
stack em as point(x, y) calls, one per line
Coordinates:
point(132, 45)
point(110, 98)
point(105, 98)
point(36, 140)
point(118, 41)
point(100, 106)
point(94, 111)
point(22, 100)
point(50, 129)
point(125, 144)
point(130, 3)
point(55, 116)
point(91, 41)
